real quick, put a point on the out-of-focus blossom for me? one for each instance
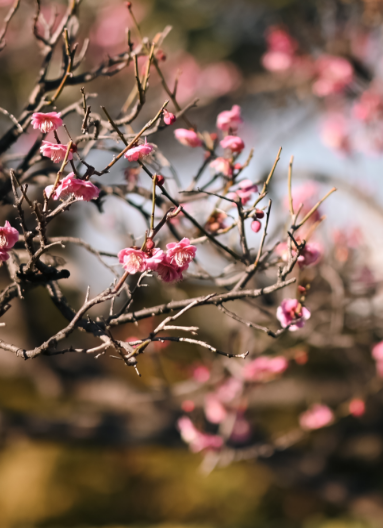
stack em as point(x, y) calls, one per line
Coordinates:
point(265, 368)
point(233, 143)
point(188, 138)
point(245, 191)
point(241, 431)
point(345, 241)
point(277, 61)
point(307, 194)
point(169, 118)
point(46, 122)
point(215, 412)
point(222, 166)
point(229, 119)
point(281, 49)
point(8, 238)
point(140, 152)
point(180, 253)
point(377, 354)
point(219, 78)
point(201, 373)
point(216, 221)
point(335, 133)
point(309, 256)
point(131, 174)
point(291, 310)
point(333, 75)
point(188, 406)
point(256, 226)
point(369, 106)
point(55, 151)
point(316, 417)
point(230, 389)
point(136, 261)
point(197, 441)
point(301, 357)
point(357, 407)
point(82, 189)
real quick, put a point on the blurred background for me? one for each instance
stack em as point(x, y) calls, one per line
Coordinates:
point(86, 443)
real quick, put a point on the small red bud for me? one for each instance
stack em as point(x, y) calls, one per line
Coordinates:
point(149, 244)
point(73, 147)
point(160, 55)
point(160, 180)
point(256, 226)
point(129, 5)
point(237, 166)
point(302, 289)
point(169, 118)
point(259, 213)
point(188, 406)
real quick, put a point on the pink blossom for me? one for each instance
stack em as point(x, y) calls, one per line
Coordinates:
point(132, 260)
point(334, 74)
point(245, 191)
point(219, 78)
point(222, 166)
point(265, 368)
point(241, 431)
point(335, 133)
point(277, 61)
point(215, 412)
point(180, 253)
point(55, 151)
point(309, 256)
point(169, 118)
point(230, 389)
point(316, 417)
point(169, 272)
point(188, 406)
point(279, 40)
point(201, 374)
point(83, 190)
point(234, 143)
point(306, 194)
point(256, 226)
point(8, 238)
point(229, 119)
point(188, 138)
point(197, 440)
point(357, 407)
point(369, 106)
point(46, 122)
point(291, 310)
point(140, 152)
point(216, 221)
point(377, 351)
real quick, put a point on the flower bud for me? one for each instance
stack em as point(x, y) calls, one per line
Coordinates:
point(169, 118)
point(149, 244)
point(160, 55)
point(160, 180)
point(129, 5)
point(259, 213)
point(256, 226)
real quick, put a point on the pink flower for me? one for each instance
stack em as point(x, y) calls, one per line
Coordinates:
point(306, 194)
point(188, 138)
point(310, 254)
point(265, 368)
point(169, 118)
point(229, 119)
point(245, 191)
point(277, 61)
point(83, 190)
point(369, 106)
point(55, 151)
point(281, 50)
point(234, 143)
point(334, 74)
point(216, 221)
point(197, 440)
point(180, 253)
point(201, 374)
point(46, 122)
point(169, 272)
point(222, 166)
point(335, 133)
point(140, 152)
point(357, 407)
point(316, 417)
point(215, 412)
point(291, 310)
point(377, 351)
point(241, 431)
point(137, 261)
point(8, 238)
point(230, 389)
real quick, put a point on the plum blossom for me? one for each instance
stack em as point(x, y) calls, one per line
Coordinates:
point(245, 191)
point(335, 133)
point(229, 390)
point(137, 261)
point(229, 119)
point(169, 272)
point(201, 373)
point(281, 49)
point(215, 412)
point(188, 138)
point(8, 238)
point(291, 310)
point(46, 122)
point(55, 151)
point(309, 255)
point(368, 107)
point(169, 118)
point(216, 221)
point(180, 253)
point(241, 431)
point(233, 143)
point(357, 407)
point(264, 368)
point(139, 152)
point(222, 166)
point(82, 189)
point(334, 74)
point(377, 354)
point(316, 417)
point(307, 195)
point(256, 226)
point(196, 439)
